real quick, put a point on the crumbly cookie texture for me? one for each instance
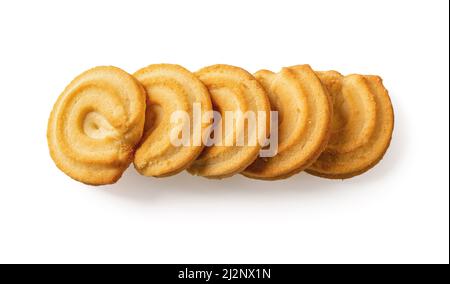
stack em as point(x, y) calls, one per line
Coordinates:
point(363, 123)
point(95, 125)
point(170, 88)
point(231, 89)
point(304, 112)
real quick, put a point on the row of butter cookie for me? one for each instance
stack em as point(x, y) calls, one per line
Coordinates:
point(362, 122)
point(106, 118)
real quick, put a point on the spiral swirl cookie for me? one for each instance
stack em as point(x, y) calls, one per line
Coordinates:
point(233, 91)
point(362, 128)
point(304, 118)
point(171, 89)
point(95, 124)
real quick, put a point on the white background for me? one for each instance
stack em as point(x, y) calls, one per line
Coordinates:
point(396, 213)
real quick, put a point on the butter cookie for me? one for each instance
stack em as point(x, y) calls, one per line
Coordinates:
point(304, 118)
point(171, 89)
point(234, 92)
point(362, 126)
point(95, 125)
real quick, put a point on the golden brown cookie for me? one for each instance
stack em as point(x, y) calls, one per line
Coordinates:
point(95, 124)
point(304, 117)
point(170, 89)
point(233, 90)
point(362, 128)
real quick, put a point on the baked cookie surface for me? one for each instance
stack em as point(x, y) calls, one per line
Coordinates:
point(304, 119)
point(363, 123)
point(170, 88)
point(232, 90)
point(95, 125)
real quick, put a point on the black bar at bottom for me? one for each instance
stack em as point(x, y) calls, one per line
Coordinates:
point(226, 273)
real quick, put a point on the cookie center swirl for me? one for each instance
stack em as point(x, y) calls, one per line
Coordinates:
point(355, 115)
point(165, 97)
point(227, 100)
point(97, 127)
point(293, 111)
